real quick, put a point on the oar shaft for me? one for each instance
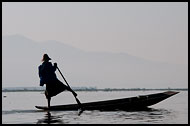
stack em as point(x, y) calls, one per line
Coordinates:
point(70, 88)
point(64, 78)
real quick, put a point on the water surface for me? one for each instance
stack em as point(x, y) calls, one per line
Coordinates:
point(19, 108)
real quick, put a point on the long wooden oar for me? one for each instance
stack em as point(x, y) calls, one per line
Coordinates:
point(79, 103)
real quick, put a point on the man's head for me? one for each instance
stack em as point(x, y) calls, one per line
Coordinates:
point(46, 58)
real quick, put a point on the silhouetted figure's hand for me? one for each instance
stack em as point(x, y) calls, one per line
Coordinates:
point(55, 64)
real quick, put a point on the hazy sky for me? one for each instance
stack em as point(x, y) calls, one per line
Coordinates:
point(155, 31)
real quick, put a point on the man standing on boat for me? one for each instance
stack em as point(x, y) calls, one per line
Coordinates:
point(47, 76)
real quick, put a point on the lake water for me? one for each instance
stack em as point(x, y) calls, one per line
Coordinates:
point(19, 108)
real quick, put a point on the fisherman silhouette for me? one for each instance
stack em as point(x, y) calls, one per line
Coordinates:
point(47, 76)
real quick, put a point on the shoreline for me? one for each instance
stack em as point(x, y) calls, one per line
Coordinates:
point(94, 89)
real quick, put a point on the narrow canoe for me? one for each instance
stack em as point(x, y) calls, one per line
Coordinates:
point(132, 103)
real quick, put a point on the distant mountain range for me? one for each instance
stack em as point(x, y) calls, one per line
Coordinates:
point(21, 57)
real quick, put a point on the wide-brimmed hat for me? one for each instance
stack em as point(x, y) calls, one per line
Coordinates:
point(45, 57)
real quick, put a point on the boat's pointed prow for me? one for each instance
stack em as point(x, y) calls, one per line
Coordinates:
point(171, 92)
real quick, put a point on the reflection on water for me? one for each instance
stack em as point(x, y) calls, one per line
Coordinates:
point(50, 119)
point(149, 116)
point(16, 111)
point(94, 117)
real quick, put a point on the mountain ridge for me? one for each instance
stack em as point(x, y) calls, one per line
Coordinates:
point(101, 69)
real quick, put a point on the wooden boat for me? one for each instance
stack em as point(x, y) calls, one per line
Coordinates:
point(132, 103)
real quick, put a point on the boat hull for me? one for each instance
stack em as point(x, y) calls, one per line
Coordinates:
point(132, 103)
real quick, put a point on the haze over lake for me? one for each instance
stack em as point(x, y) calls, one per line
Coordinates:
point(21, 57)
point(103, 45)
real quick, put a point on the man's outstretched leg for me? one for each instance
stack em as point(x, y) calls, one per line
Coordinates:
point(69, 89)
point(63, 87)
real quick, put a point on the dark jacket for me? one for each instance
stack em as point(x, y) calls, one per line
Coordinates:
point(47, 73)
